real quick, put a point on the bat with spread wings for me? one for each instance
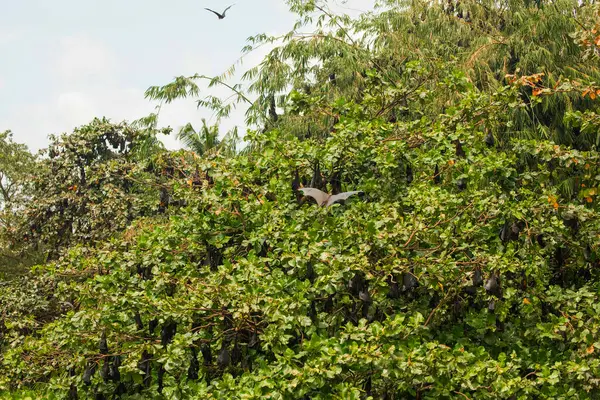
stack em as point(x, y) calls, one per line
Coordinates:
point(326, 199)
point(221, 16)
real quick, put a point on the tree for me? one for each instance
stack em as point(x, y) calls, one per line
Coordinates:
point(15, 164)
point(204, 141)
point(463, 272)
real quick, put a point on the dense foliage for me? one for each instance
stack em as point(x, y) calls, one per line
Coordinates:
point(469, 268)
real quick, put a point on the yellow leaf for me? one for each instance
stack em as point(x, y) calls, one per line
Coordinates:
point(526, 301)
point(451, 162)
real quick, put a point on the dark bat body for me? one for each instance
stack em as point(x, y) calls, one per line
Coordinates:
point(221, 16)
point(326, 199)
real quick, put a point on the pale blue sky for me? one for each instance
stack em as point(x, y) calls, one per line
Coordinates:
point(62, 62)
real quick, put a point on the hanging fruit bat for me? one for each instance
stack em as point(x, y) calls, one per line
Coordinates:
point(73, 392)
point(489, 139)
point(460, 152)
point(170, 289)
point(152, 326)
point(325, 199)
point(223, 360)
point(160, 377)
point(328, 306)
point(368, 387)
point(113, 370)
point(120, 390)
point(336, 182)
point(364, 295)
point(587, 253)
point(192, 373)
point(310, 272)
point(492, 285)
point(246, 362)
point(394, 287)
point(409, 174)
point(145, 366)
point(357, 283)
point(477, 277)
point(571, 221)
point(206, 354)
point(89, 372)
point(236, 354)
point(296, 181)
point(105, 370)
point(392, 119)
point(312, 312)
point(436, 175)
point(168, 332)
point(138, 321)
point(409, 282)
point(103, 345)
point(272, 109)
point(220, 15)
point(316, 181)
point(510, 231)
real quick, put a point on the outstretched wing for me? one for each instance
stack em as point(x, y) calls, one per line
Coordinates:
point(224, 11)
point(214, 12)
point(341, 196)
point(319, 196)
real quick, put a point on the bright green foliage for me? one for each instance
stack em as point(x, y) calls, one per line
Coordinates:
point(469, 268)
point(16, 166)
point(206, 140)
point(93, 183)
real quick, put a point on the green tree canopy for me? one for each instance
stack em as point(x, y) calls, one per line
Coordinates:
point(469, 268)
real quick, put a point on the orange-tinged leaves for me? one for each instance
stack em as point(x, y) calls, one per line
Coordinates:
point(451, 162)
point(526, 301)
point(590, 349)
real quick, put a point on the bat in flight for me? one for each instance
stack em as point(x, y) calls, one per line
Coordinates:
point(221, 16)
point(326, 199)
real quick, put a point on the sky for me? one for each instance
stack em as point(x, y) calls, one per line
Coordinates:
point(64, 62)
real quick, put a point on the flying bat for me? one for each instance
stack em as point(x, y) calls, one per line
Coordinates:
point(221, 16)
point(326, 199)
